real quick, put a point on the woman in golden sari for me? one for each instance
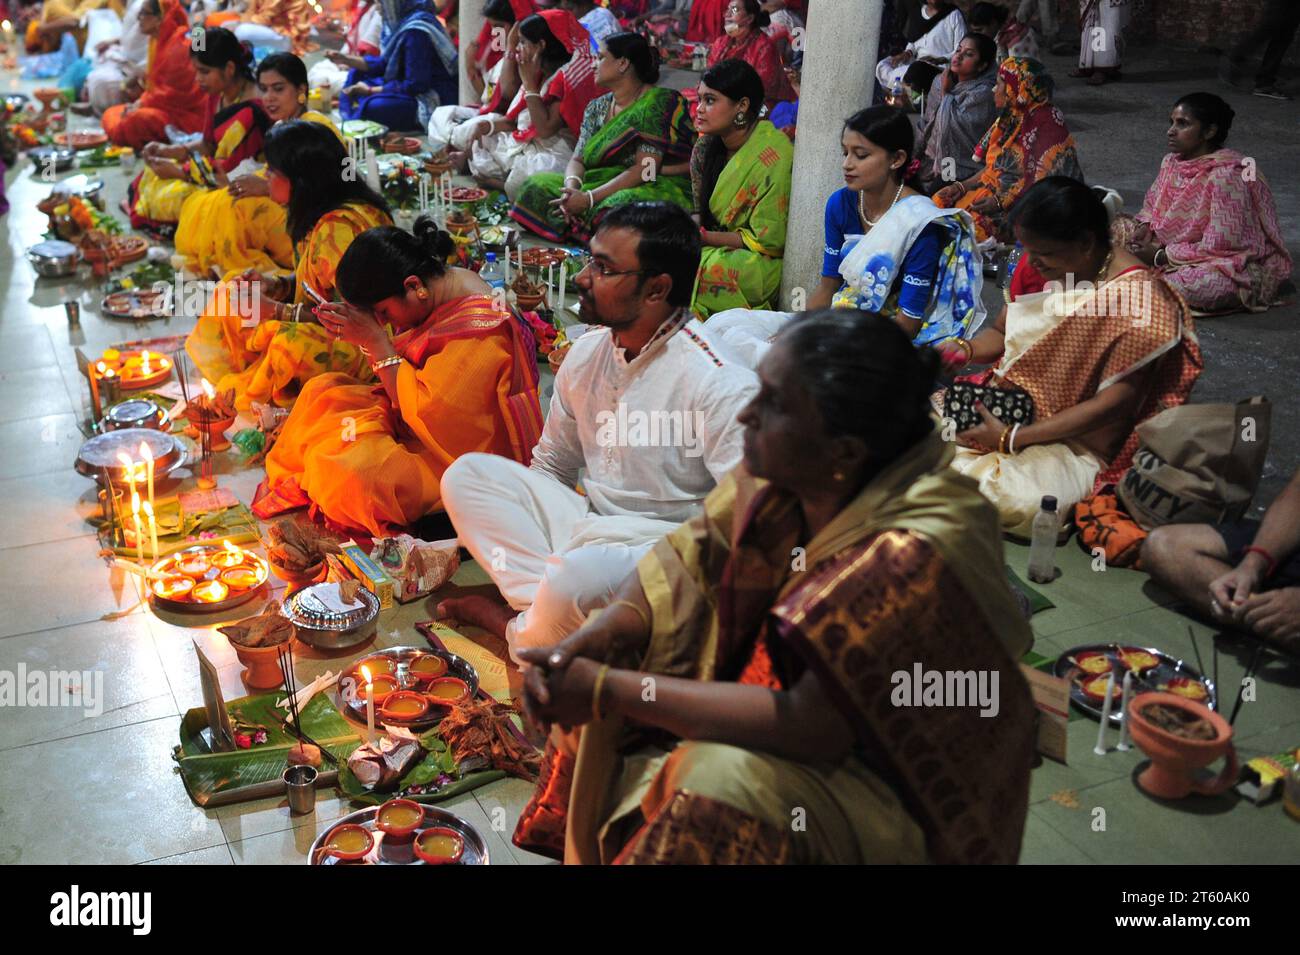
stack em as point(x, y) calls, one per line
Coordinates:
point(457, 375)
point(776, 633)
point(233, 131)
point(241, 227)
point(268, 350)
point(1098, 340)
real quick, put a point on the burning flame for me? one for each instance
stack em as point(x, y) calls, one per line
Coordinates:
point(145, 370)
point(126, 462)
point(208, 389)
point(6, 26)
point(135, 503)
point(146, 454)
point(365, 672)
point(148, 509)
point(101, 368)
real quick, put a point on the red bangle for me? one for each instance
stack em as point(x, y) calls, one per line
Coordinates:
point(1272, 563)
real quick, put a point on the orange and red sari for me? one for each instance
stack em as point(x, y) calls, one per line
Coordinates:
point(469, 383)
point(171, 97)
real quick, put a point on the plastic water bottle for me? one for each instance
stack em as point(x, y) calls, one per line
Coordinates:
point(492, 273)
point(1042, 542)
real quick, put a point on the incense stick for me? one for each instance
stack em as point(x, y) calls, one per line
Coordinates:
point(1200, 664)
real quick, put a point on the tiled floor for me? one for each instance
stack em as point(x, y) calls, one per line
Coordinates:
point(110, 779)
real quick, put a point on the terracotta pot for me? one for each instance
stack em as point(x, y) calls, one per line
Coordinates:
point(262, 666)
point(1175, 761)
point(298, 579)
point(217, 429)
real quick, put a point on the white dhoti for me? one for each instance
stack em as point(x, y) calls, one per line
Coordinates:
point(104, 84)
point(553, 559)
point(1017, 483)
point(748, 332)
point(501, 156)
point(256, 35)
point(453, 126)
point(1101, 42)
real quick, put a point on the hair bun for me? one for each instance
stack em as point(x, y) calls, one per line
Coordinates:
point(436, 242)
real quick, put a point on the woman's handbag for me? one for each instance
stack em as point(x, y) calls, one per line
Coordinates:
point(1008, 405)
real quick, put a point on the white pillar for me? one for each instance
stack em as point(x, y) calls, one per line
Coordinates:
point(839, 62)
point(471, 21)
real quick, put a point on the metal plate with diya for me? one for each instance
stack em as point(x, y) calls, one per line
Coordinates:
point(101, 452)
point(135, 413)
point(1167, 674)
point(220, 578)
point(396, 662)
point(401, 853)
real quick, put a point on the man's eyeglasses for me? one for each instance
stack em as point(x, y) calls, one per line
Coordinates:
point(590, 262)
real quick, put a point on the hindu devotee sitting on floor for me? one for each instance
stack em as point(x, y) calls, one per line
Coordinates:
point(556, 79)
point(643, 416)
point(241, 227)
point(943, 28)
point(269, 355)
point(740, 174)
point(1096, 339)
point(456, 375)
point(234, 127)
point(365, 28)
point(171, 95)
point(633, 145)
point(414, 73)
point(1244, 575)
point(963, 106)
point(58, 17)
point(1028, 142)
point(278, 25)
point(487, 59)
point(1209, 222)
point(888, 249)
point(773, 677)
point(119, 66)
point(744, 39)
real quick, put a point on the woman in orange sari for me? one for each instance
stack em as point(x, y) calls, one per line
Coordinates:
point(256, 335)
point(171, 96)
point(459, 375)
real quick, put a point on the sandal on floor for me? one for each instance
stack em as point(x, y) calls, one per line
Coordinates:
point(1081, 73)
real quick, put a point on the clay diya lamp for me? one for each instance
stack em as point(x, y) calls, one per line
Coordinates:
point(262, 664)
point(228, 557)
point(427, 667)
point(174, 587)
point(1137, 659)
point(240, 578)
point(399, 818)
point(210, 591)
point(447, 691)
point(404, 705)
point(1187, 688)
point(1093, 662)
point(1176, 761)
point(194, 566)
point(382, 685)
point(298, 579)
point(379, 666)
point(1094, 688)
point(349, 842)
point(439, 846)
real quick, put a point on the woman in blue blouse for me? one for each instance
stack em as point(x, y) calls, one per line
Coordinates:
point(414, 73)
point(889, 249)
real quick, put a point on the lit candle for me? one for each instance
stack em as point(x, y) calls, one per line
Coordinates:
point(1100, 748)
point(370, 705)
point(145, 370)
point(147, 456)
point(129, 466)
point(550, 284)
point(135, 516)
point(153, 530)
point(564, 274)
point(1123, 744)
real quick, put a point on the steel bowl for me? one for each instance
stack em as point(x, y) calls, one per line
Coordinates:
point(54, 258)
point(64, 158)
point(135, 413)
point(318, 627)
point(100, 452)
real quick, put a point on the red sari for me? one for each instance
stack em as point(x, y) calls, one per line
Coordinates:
point(171, 96)
point(760, 53)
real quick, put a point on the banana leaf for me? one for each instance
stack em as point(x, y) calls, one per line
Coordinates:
point(437, 762)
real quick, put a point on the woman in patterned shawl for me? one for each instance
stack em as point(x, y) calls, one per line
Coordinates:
point(1209, 222)
point(781, 631)
point(1028, 142)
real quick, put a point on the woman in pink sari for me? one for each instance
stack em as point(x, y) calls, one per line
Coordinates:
point(1209, 222)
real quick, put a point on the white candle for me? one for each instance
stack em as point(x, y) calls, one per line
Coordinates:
point(135, 515)
point(1123, 744)
point(147, 456)
point(1100, 748)
point(153, 530)
point(129, 466)
point(370, 706)
point(564, 274)
point(507, 266)
point(550, 285)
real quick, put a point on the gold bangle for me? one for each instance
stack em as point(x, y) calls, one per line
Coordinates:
point(596, 689)
point(391, 360)
point(645, 618)
point(1002, 440)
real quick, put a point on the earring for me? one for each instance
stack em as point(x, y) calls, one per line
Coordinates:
point(838, 475)
point(302, 98)
point(740, 122)
point(422, 294)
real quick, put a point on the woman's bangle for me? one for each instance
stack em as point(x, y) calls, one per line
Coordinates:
point(1155, 259)
point(387, 362)
point(1002, 439)
point(962, 185)
point(645, 618)
point(596, 689)
point(591, 199)
point(1272, 562)
point(965, 345)
point(528, 95)
point(1011, 441)
point(569, 179)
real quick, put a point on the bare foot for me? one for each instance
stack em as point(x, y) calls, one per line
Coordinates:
point(491, 615)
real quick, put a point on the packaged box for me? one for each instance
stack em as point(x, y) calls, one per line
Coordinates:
point(1262, 778)
point(370, 574)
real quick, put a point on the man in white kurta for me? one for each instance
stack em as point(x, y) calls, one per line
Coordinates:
point(1102, 23)
point(117, 62)
point(936, 45)
point(646, 439)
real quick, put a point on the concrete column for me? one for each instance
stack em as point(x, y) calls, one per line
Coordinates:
point(839, 61)
point(471, 21)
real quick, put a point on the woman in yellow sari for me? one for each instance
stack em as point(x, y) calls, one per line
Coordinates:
point(233, 132)
point(792, 713)
point(458, 376)
point(241, 227)
point(267, 349)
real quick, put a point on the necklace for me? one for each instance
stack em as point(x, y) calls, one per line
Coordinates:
point(1103, 272)
point(862, 206)
point(615, 109)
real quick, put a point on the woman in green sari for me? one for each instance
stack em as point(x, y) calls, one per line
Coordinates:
point(740, 173)
point(634, 145)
